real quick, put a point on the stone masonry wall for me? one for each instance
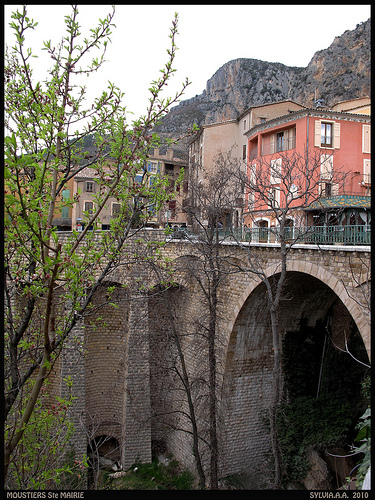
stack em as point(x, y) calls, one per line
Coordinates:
point(120, 353)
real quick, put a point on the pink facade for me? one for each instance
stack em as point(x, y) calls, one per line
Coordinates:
point(342, 136)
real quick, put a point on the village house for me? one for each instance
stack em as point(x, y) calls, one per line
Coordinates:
point(83, 187)
point(230, 136)
point(341, 140)
point(340, 134)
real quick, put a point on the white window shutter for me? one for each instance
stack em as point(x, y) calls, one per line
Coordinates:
point(275, 173)
point(367, 171)
point(318, 134)
point(366, 142)
point(336, 135)
point(326, 167)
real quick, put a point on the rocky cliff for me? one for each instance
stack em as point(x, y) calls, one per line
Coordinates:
point(340, 72)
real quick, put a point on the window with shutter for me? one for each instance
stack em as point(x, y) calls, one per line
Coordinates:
point(366, 139)
point(367, 171)
point(275, 171)
point(115, 209)
point(326, 167)
point(327, 134)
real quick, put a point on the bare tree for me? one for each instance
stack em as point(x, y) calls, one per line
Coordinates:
point(281, 189)
point(214, 198)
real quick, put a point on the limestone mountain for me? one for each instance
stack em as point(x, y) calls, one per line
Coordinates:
point(342, 71)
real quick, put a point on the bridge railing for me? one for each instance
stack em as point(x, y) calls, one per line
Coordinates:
point(318, 235)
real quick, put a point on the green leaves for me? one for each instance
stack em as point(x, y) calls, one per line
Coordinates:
point(48, 291)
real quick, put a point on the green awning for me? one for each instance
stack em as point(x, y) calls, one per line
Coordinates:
point(341, 201)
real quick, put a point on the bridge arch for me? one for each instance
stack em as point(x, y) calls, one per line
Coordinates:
point(325, 277)
point(312, 293)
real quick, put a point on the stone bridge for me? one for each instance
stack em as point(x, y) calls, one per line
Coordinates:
point(126, 384)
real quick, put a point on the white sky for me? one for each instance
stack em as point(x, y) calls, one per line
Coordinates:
point(209, 36)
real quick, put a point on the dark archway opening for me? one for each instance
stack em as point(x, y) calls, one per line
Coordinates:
point(103, 457)
point(324, 388)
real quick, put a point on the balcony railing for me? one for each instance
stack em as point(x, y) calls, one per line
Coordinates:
point(314, 235)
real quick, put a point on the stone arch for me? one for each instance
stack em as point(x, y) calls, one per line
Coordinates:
point(313, 292)
point(325, 277)
point(104, 454)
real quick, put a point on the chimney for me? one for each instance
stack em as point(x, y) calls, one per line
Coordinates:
point(170, 154)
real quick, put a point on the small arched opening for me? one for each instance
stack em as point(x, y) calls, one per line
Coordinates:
point(103, 457)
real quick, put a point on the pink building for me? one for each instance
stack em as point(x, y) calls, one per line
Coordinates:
point(339, 139)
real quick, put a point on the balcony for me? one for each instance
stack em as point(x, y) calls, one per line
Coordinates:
point(285, 144)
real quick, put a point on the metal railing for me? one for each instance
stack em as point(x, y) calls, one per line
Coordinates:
point(314, 235)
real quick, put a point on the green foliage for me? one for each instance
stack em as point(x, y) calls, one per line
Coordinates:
point(366, 388)
point(153, 476)
point(364, 447)
point(49, 285)
point(317, 422)
point(40, 462)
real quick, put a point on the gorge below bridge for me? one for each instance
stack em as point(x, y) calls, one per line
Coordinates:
point(125, 377)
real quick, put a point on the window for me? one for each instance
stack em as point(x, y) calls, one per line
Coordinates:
point(327, 187)
point(138, 178)
point(326, 167)
point(280, 141)
point(89, 187)
point(275, 171)
point(244, 124)
point(115, 209)
point(152, 167)
point(326, 134)
point(262, 119)
point(244, 152)
point(88, 207)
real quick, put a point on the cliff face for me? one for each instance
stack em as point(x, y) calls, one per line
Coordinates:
point(340, 72)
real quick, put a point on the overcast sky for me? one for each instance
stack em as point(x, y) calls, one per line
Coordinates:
point(209, 36)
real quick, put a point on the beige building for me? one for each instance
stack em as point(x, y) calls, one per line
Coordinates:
point(171, 166)
point(230, 136)
point(86, 183)
point(360, 106)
